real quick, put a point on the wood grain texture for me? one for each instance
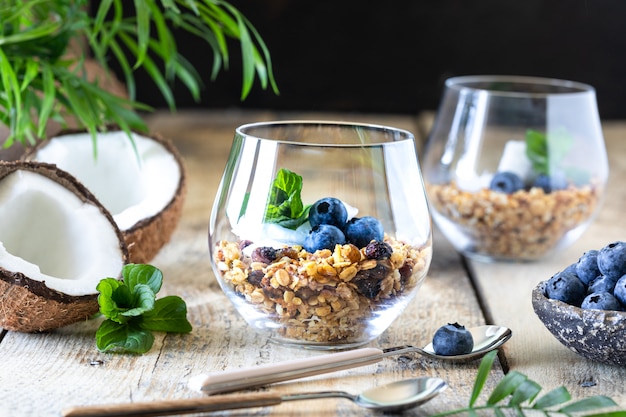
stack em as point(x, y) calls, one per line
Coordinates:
point(41, 374)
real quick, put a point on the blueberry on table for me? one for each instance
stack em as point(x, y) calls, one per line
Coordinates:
point(601, 301)
point(323, 236)
point(506, 182)
point(565, 286)
point(587, 267)
point(328, 211)
point(612, 260)
point(362, 230)
point(452, 339)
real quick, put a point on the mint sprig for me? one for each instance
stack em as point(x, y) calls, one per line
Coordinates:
point(518, 394)
point(132, 311)
point(546, 152)
point(284, 205)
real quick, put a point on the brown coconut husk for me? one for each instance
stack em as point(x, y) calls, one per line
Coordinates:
point(28, 305)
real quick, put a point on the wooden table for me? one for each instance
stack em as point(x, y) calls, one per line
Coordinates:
point(41, 374)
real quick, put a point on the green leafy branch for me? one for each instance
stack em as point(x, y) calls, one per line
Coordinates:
point(40, 80)
point(132, 311)
point(518, 394)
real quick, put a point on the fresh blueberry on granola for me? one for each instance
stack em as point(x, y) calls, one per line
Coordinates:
point(506, 182)
point(362, 230)
point(324, 236)
point(328, 210)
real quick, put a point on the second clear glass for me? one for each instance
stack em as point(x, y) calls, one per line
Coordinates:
point(515, 167)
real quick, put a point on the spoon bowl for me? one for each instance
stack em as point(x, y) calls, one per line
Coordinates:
point(486, 339)
point(396, 396)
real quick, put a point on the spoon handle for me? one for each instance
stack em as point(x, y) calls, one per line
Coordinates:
point(169, 407)
point(238, 379)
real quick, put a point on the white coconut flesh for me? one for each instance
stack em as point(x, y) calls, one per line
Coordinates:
point(50, 235)
point(133, 183)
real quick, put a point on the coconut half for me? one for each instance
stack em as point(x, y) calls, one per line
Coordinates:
point(56, 243)
point(141, 182)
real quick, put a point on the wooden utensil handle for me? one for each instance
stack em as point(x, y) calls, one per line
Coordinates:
point(164, 408)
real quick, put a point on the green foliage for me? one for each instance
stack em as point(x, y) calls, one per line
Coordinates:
point(518, 395)
point(284, 205)
point(546, 152)
point(132, 311)
point(40, 81)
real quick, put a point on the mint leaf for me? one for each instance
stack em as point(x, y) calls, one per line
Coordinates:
point(169, 315)
point(116, 337)
point(133, 312)
point(546, 152)
point(135, 274)
point(114, 299)
point(143, 301)
point(284, 205)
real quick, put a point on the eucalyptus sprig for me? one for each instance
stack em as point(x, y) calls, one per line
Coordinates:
point(518, 394)
point(42, 80)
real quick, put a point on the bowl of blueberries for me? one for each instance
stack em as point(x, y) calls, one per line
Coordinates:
point(320, 234)
point(584, 305)
point(515, 167)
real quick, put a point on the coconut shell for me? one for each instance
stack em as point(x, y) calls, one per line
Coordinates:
point(148, 236)
point(27, 305)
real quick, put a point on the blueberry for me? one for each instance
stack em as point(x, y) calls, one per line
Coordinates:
point(620, 290)
point(550, 183)
point(323, 236)
point(601, 284)
point(506, 182)
point(452, 339)
point(566, 287)
point(601, 301)
point(328, 211)
point(612, 260)
point(587, 267)
point(362, 230)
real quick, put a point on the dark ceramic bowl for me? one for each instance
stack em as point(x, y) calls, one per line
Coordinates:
point(599, 335)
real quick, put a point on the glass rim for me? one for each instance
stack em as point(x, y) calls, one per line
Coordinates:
point(404, 135)
point(561, 87)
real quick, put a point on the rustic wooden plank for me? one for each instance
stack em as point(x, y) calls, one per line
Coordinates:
point(43, 373)
point(507, 288)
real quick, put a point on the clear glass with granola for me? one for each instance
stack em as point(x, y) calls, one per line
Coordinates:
point(515, 167)
point(320, 233)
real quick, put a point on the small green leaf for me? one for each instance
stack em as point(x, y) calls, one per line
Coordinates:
point(142, 302)
point(483, 373)
point(169, 315)
point(557, 396)
point(284, 205)
point(115, 337)
point(506, 386)
point(619, 413)
point(135, 274)
point(587, 404)
point(114, 298)
point(526, 391)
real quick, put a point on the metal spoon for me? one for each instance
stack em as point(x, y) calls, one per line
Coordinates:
point(396, 396)
point(486, 339)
